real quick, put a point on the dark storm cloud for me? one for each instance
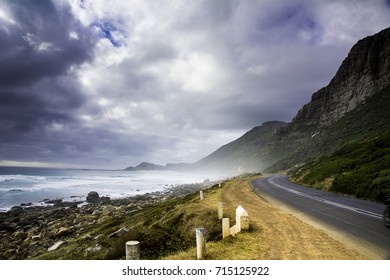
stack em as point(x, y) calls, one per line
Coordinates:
point(37, 106)
point(37, 50)
point(39, 44)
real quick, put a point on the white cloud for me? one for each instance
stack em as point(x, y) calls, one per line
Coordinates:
point(344, 22)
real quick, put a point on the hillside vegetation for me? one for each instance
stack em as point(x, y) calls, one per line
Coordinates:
point(361, 169)
point(162, 229)
point(355, 153)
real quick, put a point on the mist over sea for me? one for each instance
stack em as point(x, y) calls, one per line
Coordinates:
point(33, 185)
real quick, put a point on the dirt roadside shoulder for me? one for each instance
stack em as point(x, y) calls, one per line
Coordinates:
point(280, 235)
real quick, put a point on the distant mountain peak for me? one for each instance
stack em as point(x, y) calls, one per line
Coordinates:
point(145, 166)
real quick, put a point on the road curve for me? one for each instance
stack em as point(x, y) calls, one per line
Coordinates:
point(357, 222)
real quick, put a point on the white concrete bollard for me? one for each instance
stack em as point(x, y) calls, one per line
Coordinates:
point(242, 219)
point(132, 250)
point(220, 210)
point(201, 195)
point(200, 243)
point(225, 227)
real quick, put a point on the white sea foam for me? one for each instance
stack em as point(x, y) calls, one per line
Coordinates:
point(20, 177)
point(38, 185)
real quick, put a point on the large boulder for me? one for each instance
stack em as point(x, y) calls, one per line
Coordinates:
point(93, 197)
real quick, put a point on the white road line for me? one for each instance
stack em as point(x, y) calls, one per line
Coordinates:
point(350, 208)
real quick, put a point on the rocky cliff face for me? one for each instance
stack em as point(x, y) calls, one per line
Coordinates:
point(365, 71)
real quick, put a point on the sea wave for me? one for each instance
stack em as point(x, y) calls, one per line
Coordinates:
point(19, 177)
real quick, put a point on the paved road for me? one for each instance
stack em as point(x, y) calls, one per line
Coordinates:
point(358, 222)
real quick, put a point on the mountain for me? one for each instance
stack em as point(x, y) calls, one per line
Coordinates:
point(349, 114)
point(246, 154)
point(145, 166)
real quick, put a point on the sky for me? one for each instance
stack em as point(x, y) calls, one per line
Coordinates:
point(110, 84)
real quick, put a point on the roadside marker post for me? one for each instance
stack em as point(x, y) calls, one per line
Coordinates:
point(225, 228)
point(242, 219)
point(200, 243)
point(132, 250)
point(220, 210)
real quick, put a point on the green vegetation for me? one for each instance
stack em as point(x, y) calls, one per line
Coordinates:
point(162, 229)
point(361, 169)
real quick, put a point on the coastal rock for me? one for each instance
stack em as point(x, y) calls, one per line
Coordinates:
point(105, 199)
point(108, 209)
point(20, 235)
point(16, 210)
point(56, 246)
point(93, 197)
point(92, 250)
point(36, 237)
point(63, 231)
point(54, 201)
point(8, 226)
point(119, 232)
point(104, 219)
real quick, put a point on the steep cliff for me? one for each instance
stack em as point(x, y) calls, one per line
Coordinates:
point(366, 70)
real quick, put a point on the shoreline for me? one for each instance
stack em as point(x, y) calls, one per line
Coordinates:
point(28, 188)
point(27, 230)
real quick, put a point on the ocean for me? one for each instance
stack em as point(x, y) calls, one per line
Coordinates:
point(33, 185)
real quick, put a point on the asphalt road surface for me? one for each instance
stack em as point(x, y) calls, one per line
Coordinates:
point(357, 222)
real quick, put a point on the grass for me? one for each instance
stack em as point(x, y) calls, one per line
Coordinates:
point(243, 246)
point(162, 229)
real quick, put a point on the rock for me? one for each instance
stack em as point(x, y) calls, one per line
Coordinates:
point(90, 218)
point(108, 209)
point(73, 205)
point(104, 219)
point(16, 210)
point(93, 197)
point(18, 235)
point(54, 201)
point(91, 250)
point(26, 204)
point(63, 231)
point(56, 246)
point(8, 226)
point(36, 237)
point(119, 232)
point(105, 199)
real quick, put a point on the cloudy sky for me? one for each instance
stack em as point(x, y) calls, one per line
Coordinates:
point(108, 84)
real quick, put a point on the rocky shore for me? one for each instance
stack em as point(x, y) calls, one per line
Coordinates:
point(26, 231)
